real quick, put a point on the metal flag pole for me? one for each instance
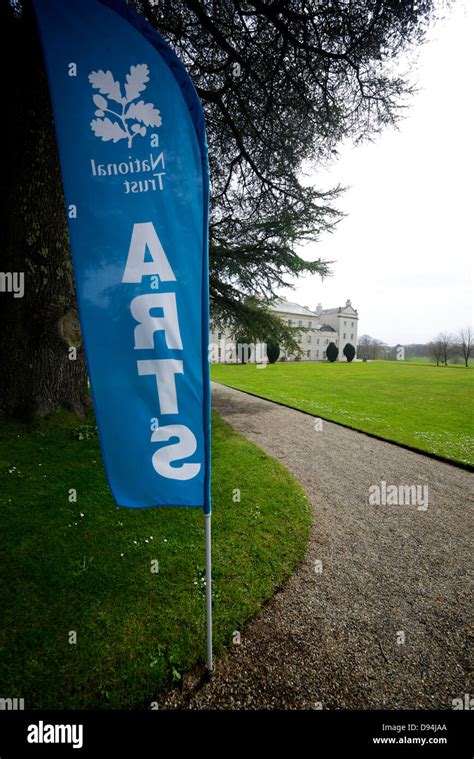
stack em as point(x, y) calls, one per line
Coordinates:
point(209, 593)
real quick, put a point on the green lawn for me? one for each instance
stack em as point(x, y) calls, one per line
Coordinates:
point(421, 360)
point(426, 407)
point(85, 567)
point(429, 361)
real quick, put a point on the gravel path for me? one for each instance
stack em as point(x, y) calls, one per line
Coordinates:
point(333, 639)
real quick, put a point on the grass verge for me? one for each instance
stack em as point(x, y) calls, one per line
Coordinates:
point(85, 567)
point(425, 407)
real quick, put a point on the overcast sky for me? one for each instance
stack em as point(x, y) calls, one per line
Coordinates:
point(403, 255)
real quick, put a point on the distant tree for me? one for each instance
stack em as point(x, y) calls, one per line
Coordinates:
point(416, 350)
point(363, 347)
point(273, 352)
point(382, 350)
point(435, 351)
point(442, 348)
point(391, 352)
point(349, 352)
point(465, 344)
point(447, 346)
point(332, 352)
point(370, 348)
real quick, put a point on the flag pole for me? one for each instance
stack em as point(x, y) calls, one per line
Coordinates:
point(209, 593)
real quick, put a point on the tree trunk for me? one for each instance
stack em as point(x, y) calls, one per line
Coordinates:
point(39, 373)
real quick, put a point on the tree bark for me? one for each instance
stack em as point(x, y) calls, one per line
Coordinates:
point(38, 371)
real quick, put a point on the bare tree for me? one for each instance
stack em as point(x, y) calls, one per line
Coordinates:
point(441, 348)
point(447, 346)
point(370, 348)
point(435, 350)
point(363, 347)
point(465, 344)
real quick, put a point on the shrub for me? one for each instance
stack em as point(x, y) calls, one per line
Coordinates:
point(273, 351)
point(349, 351)
point(332, 352)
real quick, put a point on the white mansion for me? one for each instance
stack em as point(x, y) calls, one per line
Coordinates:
point(322, 326)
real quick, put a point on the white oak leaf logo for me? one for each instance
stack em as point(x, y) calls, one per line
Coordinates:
point(106, 84)
point(107, 130)
point(136, 81)
point(144, 112)
point(132, 118)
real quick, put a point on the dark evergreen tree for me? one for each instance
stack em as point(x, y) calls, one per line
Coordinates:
point(332, 352)
point(273, 352)
point(281, 83)
point(349, 351)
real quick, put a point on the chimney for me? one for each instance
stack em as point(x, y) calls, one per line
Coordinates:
point(348, 302)
point(319, 308)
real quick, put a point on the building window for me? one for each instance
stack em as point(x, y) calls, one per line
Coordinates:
point(289, 322)
point(300, 324)
point(219, 353)
point(317, 341)
point(324, 354)
point(309, 338)
point(308, 353)
point(219, 335)
point(345, 323)
point(317, 354)
point(352, 336)
point(352, 324)
point(327, 340)
point(344, 336)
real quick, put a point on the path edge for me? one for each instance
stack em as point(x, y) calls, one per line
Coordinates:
point(436, 457)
